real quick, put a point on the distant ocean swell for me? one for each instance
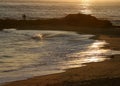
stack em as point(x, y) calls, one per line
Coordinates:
point(54, 10)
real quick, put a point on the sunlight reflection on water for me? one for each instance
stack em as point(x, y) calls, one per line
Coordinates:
point(85, 5)
point(94, 53)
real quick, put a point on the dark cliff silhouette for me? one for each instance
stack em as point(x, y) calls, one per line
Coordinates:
point(80, 20)
point(71, 22)
point(86, 21)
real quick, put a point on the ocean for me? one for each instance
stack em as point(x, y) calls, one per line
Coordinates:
point(35, 9)
point(23, 56)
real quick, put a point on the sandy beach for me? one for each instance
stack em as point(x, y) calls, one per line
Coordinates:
point(105, 73)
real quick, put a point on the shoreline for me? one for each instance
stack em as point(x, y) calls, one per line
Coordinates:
point(108, 72)
point(104, 73)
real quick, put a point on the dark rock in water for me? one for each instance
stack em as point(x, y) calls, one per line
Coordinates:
point(79, 20)
point(86, 21)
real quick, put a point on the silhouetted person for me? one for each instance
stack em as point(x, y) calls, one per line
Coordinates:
point(24, 17)
point(112, 56)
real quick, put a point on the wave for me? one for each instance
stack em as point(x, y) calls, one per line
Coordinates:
point(59, 50)
point(9, 30)
point(38, 35)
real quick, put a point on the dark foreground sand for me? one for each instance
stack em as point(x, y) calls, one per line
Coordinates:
point(105, 73)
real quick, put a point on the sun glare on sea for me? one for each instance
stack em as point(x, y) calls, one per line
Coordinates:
point(85, 5)
point(86, 1)
point(94, 53)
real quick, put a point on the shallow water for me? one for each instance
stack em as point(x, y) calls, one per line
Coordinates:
point(22, 57)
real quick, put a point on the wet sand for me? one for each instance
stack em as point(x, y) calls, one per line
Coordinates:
point(105, 73)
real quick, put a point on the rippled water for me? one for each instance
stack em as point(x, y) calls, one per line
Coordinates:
point(44, 9)
point(22, 57)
